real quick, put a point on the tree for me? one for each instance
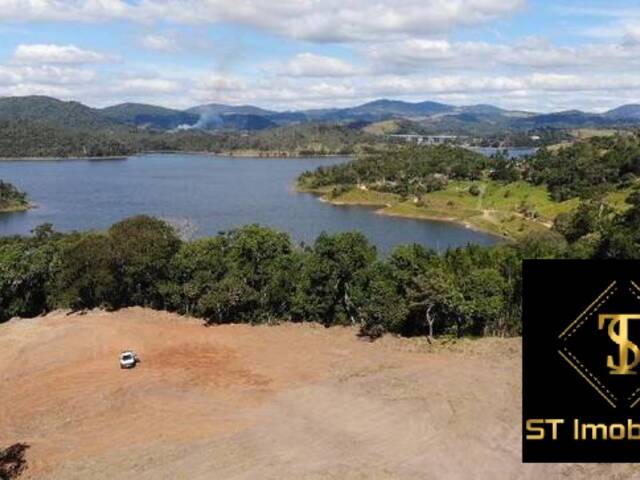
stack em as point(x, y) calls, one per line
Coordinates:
point(283, 280)
point(231, 300)
point(378, 300)
point(434, 294)
point(196, 269)
point(255, 256)
point(25, 271)
point(505, 170)
point(252, 251)
point(143, 248)
point(590, 217)
point(327, 277)
point(622, 240)
point(84, 276)
point(544, 244)
point(484, 299)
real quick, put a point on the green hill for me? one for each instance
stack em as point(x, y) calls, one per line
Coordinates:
point(51, 110)
point(311, 138)
point(36, 139)
point(151, 116)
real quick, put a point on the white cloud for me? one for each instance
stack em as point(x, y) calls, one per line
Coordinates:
point(64, 10)
point(414, 55)
point(312, 65)
point(45, 75)
point(319, 20)
point(57, 54)
point(174, 41)
point(58, 81)
point(146, 86)
point(161, 42)
point(539, 90)
point(632, 33)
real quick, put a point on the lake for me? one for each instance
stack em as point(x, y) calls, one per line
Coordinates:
point(513, 153)
point(205, 194)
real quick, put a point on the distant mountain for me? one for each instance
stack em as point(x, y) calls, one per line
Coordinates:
point(149, 116)
point(237, 121)
point(483, 110)
point(244, 117)
point(566, 119)
point(220, 109)
point(430, 112)
point(399, 109)
point(53, 111)
point(379, 110)
point(425, 117)
point(625, 112)
point(312, 138)
point(287, 118)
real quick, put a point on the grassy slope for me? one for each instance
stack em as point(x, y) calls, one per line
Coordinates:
point(496, 210)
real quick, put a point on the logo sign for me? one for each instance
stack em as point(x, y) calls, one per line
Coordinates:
point(581, 361)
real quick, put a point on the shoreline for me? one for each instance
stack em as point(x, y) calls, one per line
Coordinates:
point(382, 208)
point(18, 208)
point(49, 159)
point(454, 220)
point(241, 154)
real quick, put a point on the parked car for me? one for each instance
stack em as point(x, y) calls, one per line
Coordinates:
point(128, 359)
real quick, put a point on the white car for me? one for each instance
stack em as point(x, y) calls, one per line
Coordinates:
point(128, 359)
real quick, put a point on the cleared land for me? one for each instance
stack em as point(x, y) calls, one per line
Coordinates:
point(242, 402)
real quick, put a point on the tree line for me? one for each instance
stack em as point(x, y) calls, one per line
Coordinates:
point(587, 169)
point(26, 138)
point(412, 170)
point(257, 275)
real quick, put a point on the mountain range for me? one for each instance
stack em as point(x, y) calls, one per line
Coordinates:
point(422, 117)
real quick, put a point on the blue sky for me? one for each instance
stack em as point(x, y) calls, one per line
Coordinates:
point(289, 54)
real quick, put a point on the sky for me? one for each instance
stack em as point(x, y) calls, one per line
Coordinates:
point(539, 55)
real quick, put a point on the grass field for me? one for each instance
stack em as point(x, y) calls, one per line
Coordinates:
point(509, 210)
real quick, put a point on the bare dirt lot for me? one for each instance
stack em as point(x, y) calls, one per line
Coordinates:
point(242, 402)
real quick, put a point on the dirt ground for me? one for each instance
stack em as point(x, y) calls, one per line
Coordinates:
point(242, 402)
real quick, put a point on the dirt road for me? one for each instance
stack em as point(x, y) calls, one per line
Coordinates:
point(241, 402)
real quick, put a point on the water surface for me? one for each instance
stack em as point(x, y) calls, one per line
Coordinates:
point(513, 153)
point(208, 194)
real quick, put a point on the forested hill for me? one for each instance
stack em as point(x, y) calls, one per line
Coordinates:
point(408, 170)
point(312, 138)
point(38, 126)
point(11, 199)
point(433, 117)
point(506, 197)
point(584, 169)
point(149, 116)
point(55, 112)
point(589, 168)
point(40, 139)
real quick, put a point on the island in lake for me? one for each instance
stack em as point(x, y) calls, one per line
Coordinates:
point(12, 199)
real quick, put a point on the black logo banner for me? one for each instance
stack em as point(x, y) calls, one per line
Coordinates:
point(581, 361)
